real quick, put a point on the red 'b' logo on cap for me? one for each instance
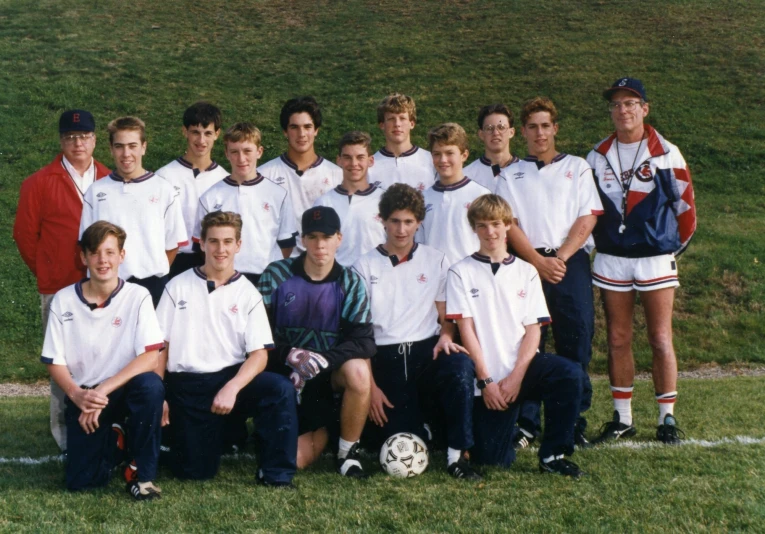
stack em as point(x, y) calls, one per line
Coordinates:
point(76, 117)
point(317, 215)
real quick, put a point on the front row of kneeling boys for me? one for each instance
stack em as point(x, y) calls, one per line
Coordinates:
point(296, 354)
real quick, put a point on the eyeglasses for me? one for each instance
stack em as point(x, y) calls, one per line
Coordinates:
point(501, 128)
point(628, 105)
point(73, 138)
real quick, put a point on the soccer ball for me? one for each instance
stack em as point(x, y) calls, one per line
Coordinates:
point(404, 455)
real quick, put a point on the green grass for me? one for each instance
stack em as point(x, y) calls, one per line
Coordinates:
point(702, 62)
point(652, 489)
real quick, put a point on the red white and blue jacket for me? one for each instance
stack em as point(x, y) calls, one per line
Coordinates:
point(660, 213)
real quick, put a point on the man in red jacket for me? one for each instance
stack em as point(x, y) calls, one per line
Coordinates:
point(48, 221)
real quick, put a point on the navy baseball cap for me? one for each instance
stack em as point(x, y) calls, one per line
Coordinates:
point(76, 120)
point(320, 219)
point(633, 85)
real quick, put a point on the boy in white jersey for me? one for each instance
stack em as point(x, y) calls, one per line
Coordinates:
point(304, 174)
point(556, 205)
point(266, 212)
point(145, 205)
point(416, 358)
point(498, 304)
point(101, 347)
point(194, 173)
point(446, 203)
point(355, 201)
point(495, 130)
point(399, 161)
point(218, 336)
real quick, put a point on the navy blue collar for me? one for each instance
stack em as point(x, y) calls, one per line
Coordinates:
point(188, 165)
point(393, 258)
point(362, 192)
point(387, 153)
point(287, 161)
point(255, 181)
point(117, 178)
point(211, 283)
point(485, 259)
point(540, 164)
point(104, 304)
point(438, 186)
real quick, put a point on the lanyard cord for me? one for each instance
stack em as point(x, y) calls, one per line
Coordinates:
point(630, 175)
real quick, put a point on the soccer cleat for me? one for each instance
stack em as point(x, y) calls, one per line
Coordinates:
point(614, 430)
point(561, 467)
point(668, 433)
point(523, 439)
point(144, 491)
point(350, 466)
point(461, 469)
point(580, 440)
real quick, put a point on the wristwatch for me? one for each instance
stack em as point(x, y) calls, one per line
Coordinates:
point(483, 383)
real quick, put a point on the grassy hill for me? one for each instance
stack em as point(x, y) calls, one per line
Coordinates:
point(702, 62)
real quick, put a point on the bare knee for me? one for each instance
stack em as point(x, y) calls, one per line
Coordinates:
point(661, 344)
point(356, 376)
point(619, 339)
point(310, 447)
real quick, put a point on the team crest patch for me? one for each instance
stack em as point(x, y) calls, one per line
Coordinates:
point(117, 322)
point(233, 309)
point(266, 206)
point(569, 175)
point(643, 173)
point(422, 278)
point(153, 199)
point(421, 187)
point(325, 181)
point(521, 294)
point(467, 205)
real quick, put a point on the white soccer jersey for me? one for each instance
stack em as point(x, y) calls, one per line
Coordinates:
point(303, 187)
point(446, 225)
point(209, 329)
point(501, 305)
point(190, 183)
point(483, 172)
point(547, 199)
point(413, 167)
point(267, 219)
point(403, 294)
point(97, 342)
point(360, 221)
point(148, 210)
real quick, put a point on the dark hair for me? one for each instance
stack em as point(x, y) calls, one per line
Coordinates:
point(402, 197)
point(491, 109)
point(95, 234)
point(355, 138)
point(202, 113)
point(303, 104)
point(536, 105)
point(222, 218)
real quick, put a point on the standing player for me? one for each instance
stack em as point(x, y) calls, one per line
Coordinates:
point(416, 354)
point(218, 336)
point(194, 173)
point(355, 201)
point(266, 212)
point(144, 205)
point(498, 304)
point(304, 174)
point(320, 315)
point(650, 217)
point(446, 203)
point(495, 130)
point(399, 161)
point(47, 222)
point(556, 204)
point(101, 348)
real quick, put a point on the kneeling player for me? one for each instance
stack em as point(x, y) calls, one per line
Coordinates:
point(321, 319)
point(407, 364)
point(217, 332)
point(101, 347)
point(498, 304)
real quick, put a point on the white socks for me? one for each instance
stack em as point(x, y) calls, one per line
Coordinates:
point(623, 403)
point(452, 455)
point(666, 404)
point(344, 447)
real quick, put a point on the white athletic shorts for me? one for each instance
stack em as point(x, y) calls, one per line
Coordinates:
point(641, 274)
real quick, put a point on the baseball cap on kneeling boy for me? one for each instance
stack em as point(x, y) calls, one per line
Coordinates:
point(320, 219)
point(76, 120)
point(633, 85)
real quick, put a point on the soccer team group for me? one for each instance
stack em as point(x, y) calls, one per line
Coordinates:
point(338, 305)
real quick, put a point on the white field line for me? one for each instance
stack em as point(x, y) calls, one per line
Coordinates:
point(635, 445)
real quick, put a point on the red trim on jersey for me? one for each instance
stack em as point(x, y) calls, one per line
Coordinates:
point(454, 316)
point(183, 244)
point(157, 346)
point(597, 212)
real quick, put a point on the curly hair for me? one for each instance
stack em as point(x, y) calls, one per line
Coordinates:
point(402, 197)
